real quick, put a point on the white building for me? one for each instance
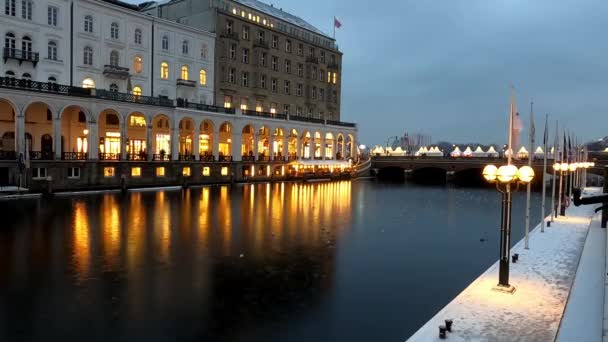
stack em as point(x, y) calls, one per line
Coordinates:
point(111, 47)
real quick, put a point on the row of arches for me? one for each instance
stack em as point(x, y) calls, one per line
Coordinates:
point(75, 134)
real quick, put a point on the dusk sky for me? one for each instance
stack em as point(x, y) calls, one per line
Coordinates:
point(444, 68)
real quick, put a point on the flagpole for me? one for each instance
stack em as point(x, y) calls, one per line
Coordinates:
point(561, 177)
point(334, 25)
point(529, 186)
point(555, 149)
point(542, 205)
point(510, 148)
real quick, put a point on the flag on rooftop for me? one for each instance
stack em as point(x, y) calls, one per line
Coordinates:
point(337, 23)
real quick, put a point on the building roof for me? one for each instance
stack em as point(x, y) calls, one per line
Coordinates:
point(280, 14)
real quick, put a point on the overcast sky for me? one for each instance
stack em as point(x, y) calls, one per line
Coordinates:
point(444, 67)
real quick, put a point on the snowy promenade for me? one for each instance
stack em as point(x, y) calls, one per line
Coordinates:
point(542, 277)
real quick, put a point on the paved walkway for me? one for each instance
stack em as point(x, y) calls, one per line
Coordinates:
point(542, 278)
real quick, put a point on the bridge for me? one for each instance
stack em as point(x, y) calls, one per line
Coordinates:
point(441, 169)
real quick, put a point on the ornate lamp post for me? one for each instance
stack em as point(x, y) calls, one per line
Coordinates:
point(505, 176)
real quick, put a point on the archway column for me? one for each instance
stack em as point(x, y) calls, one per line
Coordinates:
point(195, 141)
point(123, 139)
point(215, 141)
point(93, 140)
point(237, 140)
point(285, 150)
point(57, 137)
point(298, 152)
point(323, 145)
point(149, 149)
point(256, 141)
point(174, 142)
point(271, 142)
point(20, 135)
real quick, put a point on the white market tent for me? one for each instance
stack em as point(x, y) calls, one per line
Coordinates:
point(398, 152)
point(467, 152)
point(389, 151)
point(539, 152)
point(378, 150)
point(491, 152)
point(456, 152)
point(422, 150)
point(479, 152)
point(522, 153)
point(434, 152)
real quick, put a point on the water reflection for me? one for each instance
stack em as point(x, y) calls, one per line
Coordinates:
point(256, 262)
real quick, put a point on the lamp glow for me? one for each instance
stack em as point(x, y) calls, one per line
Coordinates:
point(565, 167)
point(506, 173)
point(557, 166)
point(489, 173)
point(525, 174)
point(573, 167)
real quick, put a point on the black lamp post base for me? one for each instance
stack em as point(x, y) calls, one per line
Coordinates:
point(504, 289)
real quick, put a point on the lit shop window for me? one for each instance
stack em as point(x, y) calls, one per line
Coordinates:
point(108, 172)
point(224, 171)
point(137, 91)
point(186, 171)
point(160, 171)
point(136, 172)
point(206, 171)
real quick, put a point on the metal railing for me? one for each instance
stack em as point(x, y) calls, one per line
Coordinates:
point(109, 156)
point(340, 123)
point(305, 119)
point(141, 156)
point(231, 35)
point(8, 155)
point(74, 156)
point(292, 158)
point(187, 83)
point(263, 158)
point(278, 158)
point(224, 158)
point(140, 99)
point(41, 155)
point(247, 158)
point(21, 55)
point(186, 157)
point(115, 70)
point(279, 116)
point(183, 103)
point(207, 158)
point(161, 157)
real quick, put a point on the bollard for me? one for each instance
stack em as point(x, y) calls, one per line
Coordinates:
point(442, 332)
point(549, 223)
point(448, 324)
point(515, 257)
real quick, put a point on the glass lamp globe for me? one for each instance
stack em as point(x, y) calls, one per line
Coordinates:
point(557, 166)
point(565, 167)
point(489, 173)
point(525, 174)
point(506, 173)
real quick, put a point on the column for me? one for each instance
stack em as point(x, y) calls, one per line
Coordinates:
point(20, 135)
point(174, 142)
point(195, 142)
point(285, 147)
point(93, 140)
point(149, 148)
point(215, 139)
point(271, 142)
point(57, 137)
point(123, 140)
point(323, 145)
point(256, 138)
point(343, 147)
point(298, 152)
point(236, 146)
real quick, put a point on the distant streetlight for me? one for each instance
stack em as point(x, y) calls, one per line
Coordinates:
point(505, 176)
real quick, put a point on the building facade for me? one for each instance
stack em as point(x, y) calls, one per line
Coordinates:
point(97, 91)
point(267, 60)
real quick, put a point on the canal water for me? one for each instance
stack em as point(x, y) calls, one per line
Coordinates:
point(339, 261)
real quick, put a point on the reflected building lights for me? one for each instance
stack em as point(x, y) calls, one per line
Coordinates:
point(81, 252)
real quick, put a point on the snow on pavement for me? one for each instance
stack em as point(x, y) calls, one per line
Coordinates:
point(542, 278)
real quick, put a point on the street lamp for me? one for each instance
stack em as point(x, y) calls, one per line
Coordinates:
point(505, 176)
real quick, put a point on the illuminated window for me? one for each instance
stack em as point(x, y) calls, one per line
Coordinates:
point(137, 121)
point(136, 171)
point(164, 70)
point(243, 104)
point(258, 107)
point(227, 101)
point(234, 11)
point(184, 72)
point(108, 172)
point(137, 91)
point(186, 171)
point(334, 78)
point(202, 77)
point(88, 83)
point(160, 171)
point(273, 108)
point(206, 171)
point(328, 77)
point(137, 64)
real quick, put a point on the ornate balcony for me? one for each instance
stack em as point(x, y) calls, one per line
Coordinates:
point(109, 156)
point(161, 157)
point(230, 35)
point(261, 44)
point(183, 103)
point(21, 55)
point(186, 157)
point(207, 158)
point(187, 83)
point(247, 158)
point(224, 158)
point(74, 156)
point(313, 60)
point(116, 71)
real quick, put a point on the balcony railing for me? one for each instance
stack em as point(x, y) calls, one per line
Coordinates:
point(74, 156)
point(261, 44)
point(8, 155)
point(116, 71)
point(292, 158)
point(340, 123)
point(278, 158)
point(318, 158)
point(231, 35)
point(109, 156)
point(161, 157)
point(186, 157)
point(247, 158)
point(265, 114)
point(146, 100)
point(41, 155)
point(187, 83)
point(305, 119)
point(334, 66)
point(224, 158)
point(16, 83)
point(141, 156)
point(264, 158)
point(183, 103)
point(207, 158)
point(311, 59)
point(21, 55)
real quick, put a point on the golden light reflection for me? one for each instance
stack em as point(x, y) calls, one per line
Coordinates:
point(136, 228)
point(162, 225)
point(81, 245)
point(110, 229)
point(225, 219)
